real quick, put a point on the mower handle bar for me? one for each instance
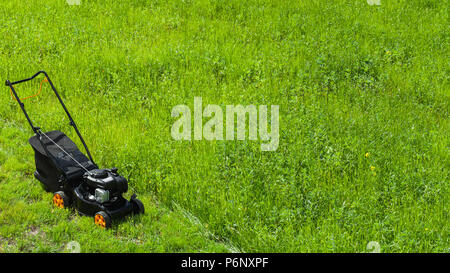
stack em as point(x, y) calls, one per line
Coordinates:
point(8, 83)
point(37, 129)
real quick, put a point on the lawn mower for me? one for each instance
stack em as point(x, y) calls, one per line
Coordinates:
point(73, 178)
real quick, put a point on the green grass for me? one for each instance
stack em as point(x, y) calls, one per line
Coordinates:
point(350, 79)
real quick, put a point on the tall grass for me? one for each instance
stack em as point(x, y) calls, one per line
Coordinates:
point(363, 95)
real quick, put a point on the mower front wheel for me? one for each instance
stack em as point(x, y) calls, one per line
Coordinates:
point(60, 199)
point(102, 219)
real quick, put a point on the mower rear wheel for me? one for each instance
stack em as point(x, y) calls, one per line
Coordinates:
point(102, 219)
point(60, 200)
point(138, 206)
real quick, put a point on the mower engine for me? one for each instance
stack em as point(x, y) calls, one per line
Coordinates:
point(104, 185)
point(100, 194)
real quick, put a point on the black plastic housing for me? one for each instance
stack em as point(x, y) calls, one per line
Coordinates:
point(53, 166)
point(106, 180)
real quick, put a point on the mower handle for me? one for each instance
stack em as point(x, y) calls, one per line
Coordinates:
point(37, 129)
point(8, 83)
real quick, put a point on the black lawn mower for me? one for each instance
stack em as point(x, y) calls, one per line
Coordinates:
point(75, 179)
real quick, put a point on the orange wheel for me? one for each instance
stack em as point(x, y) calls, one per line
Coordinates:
point(58, 199)
point(102, 219)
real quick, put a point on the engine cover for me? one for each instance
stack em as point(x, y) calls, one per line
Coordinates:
point(106, 179)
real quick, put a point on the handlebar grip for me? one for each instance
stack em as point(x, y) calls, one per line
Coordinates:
point(8, 83)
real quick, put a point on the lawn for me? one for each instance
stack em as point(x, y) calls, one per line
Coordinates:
point(363, 95)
